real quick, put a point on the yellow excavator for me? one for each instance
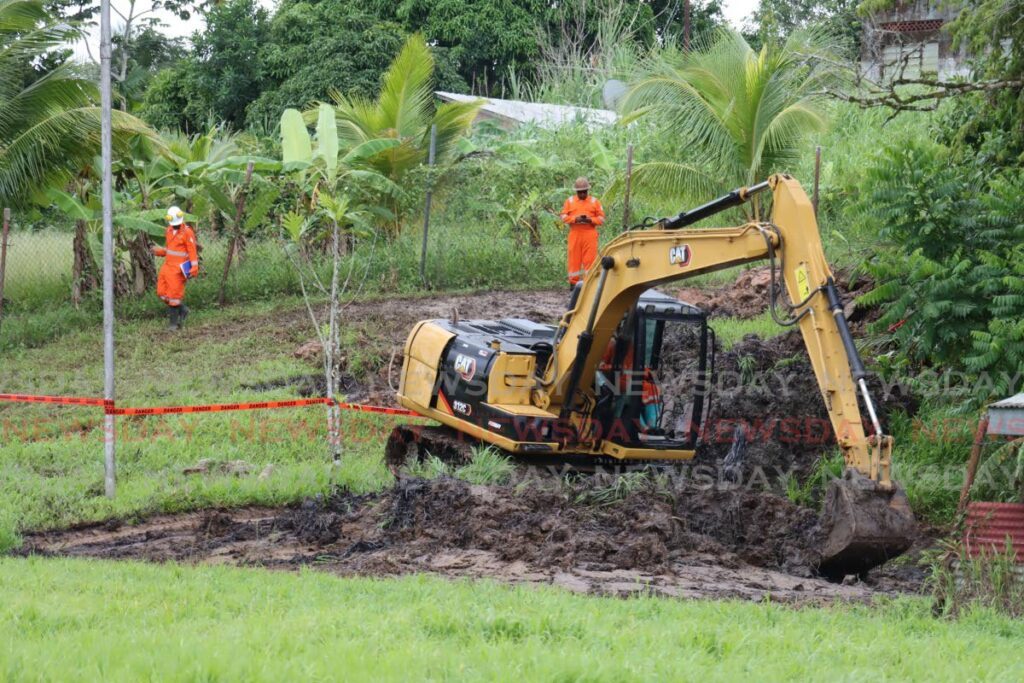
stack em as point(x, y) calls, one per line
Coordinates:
point(540, 392)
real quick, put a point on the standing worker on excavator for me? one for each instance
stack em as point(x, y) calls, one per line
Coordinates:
point(582, 213)
point(181, 263)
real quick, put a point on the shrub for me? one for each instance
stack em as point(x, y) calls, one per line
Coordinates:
point(950, 276)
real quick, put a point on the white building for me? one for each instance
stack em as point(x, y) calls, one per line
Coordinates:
point(917, 32)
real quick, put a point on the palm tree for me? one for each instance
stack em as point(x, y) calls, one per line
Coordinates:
point(739, 115)
point(403, 111)
point(49, 121)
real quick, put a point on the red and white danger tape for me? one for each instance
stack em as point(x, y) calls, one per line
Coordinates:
point(111, 409)
point(66, 400)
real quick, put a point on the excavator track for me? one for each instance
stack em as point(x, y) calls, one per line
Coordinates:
point(409, 444)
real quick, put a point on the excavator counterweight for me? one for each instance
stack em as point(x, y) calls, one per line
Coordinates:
point(587, 387)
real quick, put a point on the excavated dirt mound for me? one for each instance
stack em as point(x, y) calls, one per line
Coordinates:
point(667, 539)
point(747, 296)
point(767, 388)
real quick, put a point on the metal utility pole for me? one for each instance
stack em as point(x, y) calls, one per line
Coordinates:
point(106, 152)
point(426, 207)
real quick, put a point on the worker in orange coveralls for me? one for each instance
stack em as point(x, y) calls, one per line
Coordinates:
point(582, 213)
point(181, 264)
point(650, 394)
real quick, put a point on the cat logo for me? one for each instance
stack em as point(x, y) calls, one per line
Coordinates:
point(462, 407)
point(679, 255)
point(465, 366)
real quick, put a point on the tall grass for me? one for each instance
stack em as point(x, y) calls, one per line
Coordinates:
point(960, 583)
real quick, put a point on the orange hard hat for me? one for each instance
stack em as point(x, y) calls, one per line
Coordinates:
point(581, 184)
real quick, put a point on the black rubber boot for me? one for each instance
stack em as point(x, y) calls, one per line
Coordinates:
point(172, 317)
point(182, 314)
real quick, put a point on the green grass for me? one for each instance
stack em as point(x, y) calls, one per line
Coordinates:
point(51, 456)
point(71, 620)
point(38, 293)
point(732, 330)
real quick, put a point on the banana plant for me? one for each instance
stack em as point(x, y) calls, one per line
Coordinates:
point(320, 167)
point(134, 269)
point(339, 200)
point(230, 190)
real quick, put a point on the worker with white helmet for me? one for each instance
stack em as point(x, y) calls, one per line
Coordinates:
point(181, 263)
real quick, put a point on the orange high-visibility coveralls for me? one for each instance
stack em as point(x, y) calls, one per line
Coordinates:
point(181, 247)
point(650, 394)
point(582, 236)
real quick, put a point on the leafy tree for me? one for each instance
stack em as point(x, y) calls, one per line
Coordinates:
point(485, 39)
point(777, 19)
point(50, 127)
point(949, 275)
point(223, 74)
point(167, 98)
point(990, 125)
point(740, 115)
point(139, 56)
point(314, 47)
point(231, 73)
point(705, 18)
point(404, 112)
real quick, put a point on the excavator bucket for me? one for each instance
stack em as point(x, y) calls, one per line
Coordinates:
point(865, 523)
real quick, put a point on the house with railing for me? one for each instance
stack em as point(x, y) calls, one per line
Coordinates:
point(912, 36)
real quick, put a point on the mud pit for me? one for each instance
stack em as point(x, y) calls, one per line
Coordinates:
point(663, 539)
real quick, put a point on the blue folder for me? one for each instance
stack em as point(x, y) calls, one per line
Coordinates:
point(186, 269)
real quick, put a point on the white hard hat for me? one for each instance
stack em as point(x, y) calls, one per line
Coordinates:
point(175, 216)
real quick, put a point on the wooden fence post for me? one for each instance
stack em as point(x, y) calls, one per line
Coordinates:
point(817, 177)
point(629, 186)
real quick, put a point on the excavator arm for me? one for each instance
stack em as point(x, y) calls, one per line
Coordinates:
point(867, 517)
point(638, 260)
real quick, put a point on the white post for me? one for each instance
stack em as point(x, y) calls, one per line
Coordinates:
point(106, 135)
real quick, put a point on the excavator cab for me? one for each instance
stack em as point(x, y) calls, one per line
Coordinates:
point(632, 407)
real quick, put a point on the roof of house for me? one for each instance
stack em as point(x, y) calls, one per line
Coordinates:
point(1006, 417)
point(543, 115)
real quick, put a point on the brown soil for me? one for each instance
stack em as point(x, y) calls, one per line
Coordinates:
point(765, 386)
point(371, 355)
point(666, 538)
point(747, 296)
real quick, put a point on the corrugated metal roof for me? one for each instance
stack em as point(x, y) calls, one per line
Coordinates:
point(1006, 417)
point(1012, 402)
point(544, 115)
